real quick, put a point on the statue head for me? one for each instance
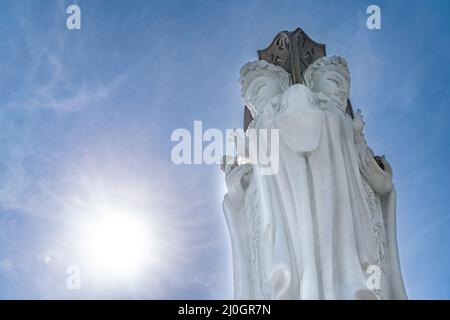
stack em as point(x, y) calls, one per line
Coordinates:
point(330, 76)
point(261, 81)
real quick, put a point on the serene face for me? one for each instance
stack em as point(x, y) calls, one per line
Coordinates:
point(332, 84)
point(261, 90)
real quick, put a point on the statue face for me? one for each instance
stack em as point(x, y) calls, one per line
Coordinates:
point(261, 90)
point(332, 84)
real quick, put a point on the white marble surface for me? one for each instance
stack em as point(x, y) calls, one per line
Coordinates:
point(320, 226)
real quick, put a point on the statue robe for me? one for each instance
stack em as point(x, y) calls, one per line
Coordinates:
point(315, 229)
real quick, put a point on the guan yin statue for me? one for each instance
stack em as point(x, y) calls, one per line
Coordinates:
point(323, 226)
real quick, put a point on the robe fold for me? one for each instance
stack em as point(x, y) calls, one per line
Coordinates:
point(315, 229)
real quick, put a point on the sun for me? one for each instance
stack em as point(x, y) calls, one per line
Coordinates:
point(117, 244)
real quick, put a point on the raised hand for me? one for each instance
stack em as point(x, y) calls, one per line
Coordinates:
point(358, 123)
point(379, 179)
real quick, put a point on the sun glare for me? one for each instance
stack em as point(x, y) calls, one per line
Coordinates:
point(117, 244)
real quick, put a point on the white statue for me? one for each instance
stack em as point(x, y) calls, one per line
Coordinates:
point(323, 226)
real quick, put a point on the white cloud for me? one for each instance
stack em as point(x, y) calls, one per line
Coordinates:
point(6, 265)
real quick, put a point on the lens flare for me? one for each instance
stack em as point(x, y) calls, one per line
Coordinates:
point(117, 244)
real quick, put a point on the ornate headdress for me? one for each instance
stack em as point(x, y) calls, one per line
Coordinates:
point(254, 69)
point(294, 52)
point(339, 64)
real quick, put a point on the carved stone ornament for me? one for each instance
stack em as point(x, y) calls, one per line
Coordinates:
point(294, 52)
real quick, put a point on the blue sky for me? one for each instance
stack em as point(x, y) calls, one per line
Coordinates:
point(86, 116)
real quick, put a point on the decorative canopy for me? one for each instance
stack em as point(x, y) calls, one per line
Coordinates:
point(294, 52)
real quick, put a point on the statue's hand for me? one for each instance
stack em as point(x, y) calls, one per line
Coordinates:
point(320, 100)
point(237, 179)
point(241, 141)
point(358, 123)
point(379, 179)
point(228, 163)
